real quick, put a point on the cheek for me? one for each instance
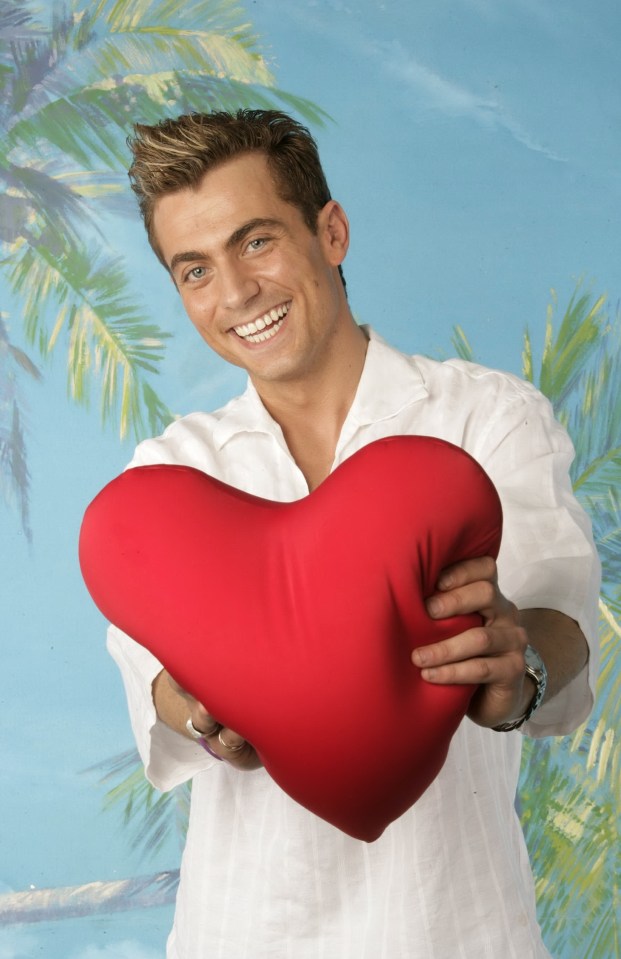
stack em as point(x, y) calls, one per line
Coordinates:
point(199, 309)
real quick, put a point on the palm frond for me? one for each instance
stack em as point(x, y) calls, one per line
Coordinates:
point(461, 344)
point(566, 352)
point(105, 54)
point(150, 816)
point(109, 341)
point(570, 806)
point(81, 107)
point(225, 16)
point(30, 50)
point(595, 419)
point(581, 370)
point(47, 207)
point(14, 471)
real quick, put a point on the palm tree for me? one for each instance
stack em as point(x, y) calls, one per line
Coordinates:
point(570, 793)
point(70, 86)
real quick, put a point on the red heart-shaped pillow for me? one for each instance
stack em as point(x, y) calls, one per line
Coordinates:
point(293, 623)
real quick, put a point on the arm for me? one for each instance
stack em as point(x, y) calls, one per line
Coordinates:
point(492, 655)
point(175, 707)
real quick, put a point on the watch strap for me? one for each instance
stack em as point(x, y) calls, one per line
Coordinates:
point(535, 668)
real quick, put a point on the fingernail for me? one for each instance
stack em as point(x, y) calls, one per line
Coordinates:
point(434, 606)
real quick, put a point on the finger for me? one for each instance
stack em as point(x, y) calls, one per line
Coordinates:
point(467, 571)
point(481, 596)
point(230, 741)
point(236, 751)
point(203, 717)
point(501, 671)
point(477, 643)
point(207, 725)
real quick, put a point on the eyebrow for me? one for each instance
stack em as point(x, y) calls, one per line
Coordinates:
point(235, 238)
point(256, 224)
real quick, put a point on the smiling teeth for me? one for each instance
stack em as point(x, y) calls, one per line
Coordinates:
point(264, 327)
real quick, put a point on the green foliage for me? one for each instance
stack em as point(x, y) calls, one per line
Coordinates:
point(570, 790)
point(570, 796)
point(565, 353)
point(570, 802)
point(14, 474)
point(461, 345)
point(580, 373)
point(151, 816)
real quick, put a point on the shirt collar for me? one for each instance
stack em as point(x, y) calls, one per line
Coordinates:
point(390, 382)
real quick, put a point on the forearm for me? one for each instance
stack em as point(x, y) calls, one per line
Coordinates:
point(560, 643)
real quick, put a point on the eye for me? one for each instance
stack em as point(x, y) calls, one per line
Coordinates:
point(196, 273)
point(258, 243)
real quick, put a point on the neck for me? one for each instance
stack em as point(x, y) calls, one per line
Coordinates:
point(311, 412)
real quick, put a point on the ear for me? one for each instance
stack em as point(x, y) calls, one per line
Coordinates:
point(333, 230)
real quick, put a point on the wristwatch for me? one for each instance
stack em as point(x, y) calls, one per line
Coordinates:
point(535, 668)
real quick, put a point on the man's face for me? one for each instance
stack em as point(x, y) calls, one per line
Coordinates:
point(261, 289)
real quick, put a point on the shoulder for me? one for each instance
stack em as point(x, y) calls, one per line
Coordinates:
point(190, 439)
point(465, 378)
point(488, 411)
point(451, 378)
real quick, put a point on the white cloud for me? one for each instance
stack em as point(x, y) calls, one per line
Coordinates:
point(437, 93)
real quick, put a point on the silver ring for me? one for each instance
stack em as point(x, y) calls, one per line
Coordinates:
point(197, 734)
point(193, 731)
point(231, 749)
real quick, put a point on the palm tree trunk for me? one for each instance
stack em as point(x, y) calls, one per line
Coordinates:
point(93, 898)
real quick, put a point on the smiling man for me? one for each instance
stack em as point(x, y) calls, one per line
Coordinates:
point(238, 211)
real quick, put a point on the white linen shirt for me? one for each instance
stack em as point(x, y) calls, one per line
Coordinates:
point(263, 877)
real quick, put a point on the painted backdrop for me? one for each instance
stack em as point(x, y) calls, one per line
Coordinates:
point(475, 145)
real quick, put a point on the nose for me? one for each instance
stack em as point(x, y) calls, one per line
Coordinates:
point(236, 285)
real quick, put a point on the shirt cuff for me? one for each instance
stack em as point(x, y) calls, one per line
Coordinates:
point(169, 758)
point(564, 712)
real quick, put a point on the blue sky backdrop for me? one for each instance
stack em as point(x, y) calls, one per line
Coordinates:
point(475, 146)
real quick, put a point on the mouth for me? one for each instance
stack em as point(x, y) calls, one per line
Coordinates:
point(264, 327)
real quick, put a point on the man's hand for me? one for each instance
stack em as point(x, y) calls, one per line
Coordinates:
point(175, 706)
point(491, 655)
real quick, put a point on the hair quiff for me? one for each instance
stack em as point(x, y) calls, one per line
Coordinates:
point(174, 154)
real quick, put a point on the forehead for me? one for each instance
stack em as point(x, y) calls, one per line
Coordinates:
point(234, 192)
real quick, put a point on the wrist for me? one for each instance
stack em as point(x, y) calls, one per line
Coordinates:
point(535, 683)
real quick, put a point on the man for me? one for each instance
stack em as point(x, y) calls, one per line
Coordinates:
point(237, 209)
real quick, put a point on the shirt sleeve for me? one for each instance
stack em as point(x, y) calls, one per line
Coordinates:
point(548, 557)
point(169, 759)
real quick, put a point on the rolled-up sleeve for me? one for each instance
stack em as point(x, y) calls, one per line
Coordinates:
point(548, 558)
